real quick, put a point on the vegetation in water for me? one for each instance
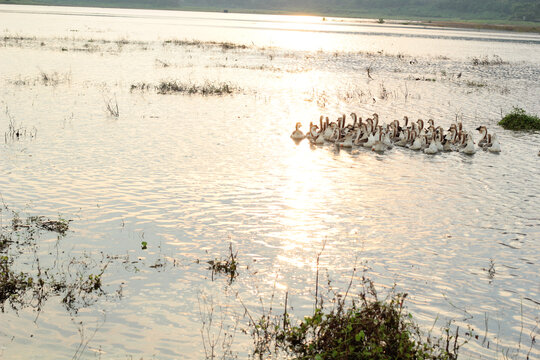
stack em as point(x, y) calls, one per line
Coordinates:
point(518, 119)
point(16, 131)
point(174, 87)
point(364, 327)
point(112, 107)
point(227, 266)
point(77, 281)
point(485, 61)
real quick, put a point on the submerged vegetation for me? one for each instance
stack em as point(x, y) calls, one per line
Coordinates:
point(518, 119)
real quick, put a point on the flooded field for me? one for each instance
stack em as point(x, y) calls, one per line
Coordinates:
point(161, 138)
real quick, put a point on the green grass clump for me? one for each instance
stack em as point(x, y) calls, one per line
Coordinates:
point(518, 119)
point(362, 328)
point(369, 330)
point(208, 88)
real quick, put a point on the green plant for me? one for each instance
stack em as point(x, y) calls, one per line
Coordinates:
point(366, 329)
point(518, 119)
point(228, 266)
point(144, 245)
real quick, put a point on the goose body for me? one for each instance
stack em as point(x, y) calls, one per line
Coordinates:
point(347, 141)
point(379, 146)
point(495, 146)
point(297, 134)
point(432, 148)
point(469, 148)
point(418, 143)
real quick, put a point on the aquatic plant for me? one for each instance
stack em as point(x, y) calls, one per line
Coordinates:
point(495, 60)
point(518, 119)
point(16, 131)
point(365, 327)
point(224, 45)
point(59, 226)
point(208, 88)
point(227, 266)
point(475, 84)
point(112, 107)
point(78, 287)
point(174, 86)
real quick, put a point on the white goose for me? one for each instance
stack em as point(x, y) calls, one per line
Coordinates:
point(483, 131)
point(418, 143)
point(379, 145)
point(469, 148)
point(297, 134)
point(495, 146)
point(432, 148)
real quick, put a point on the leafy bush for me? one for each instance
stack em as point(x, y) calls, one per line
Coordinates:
point(518, 119)
point(362, 328)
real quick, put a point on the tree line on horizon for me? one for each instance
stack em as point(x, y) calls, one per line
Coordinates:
point(517, 10)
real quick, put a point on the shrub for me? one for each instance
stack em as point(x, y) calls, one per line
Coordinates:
point(518, 119)
point(363, 328)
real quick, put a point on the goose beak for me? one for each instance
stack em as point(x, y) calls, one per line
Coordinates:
point(478, 128)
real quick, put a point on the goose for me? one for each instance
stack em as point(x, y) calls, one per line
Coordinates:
point(386, 140)
point(406, 120)
point(347, 141)
point(313, 133)
point(372, 138)
point(432, 148)
point(494, 146)
point(421, 130)
point(403, 138)
point(297, 134)
point(469, 148)
point(362, 135)
point(418, 143)
point(330, 130)
point(483, 131)
point(319, 140)
point(376, 119)
point(439, 139)
point(449, 139)
point(379, 145)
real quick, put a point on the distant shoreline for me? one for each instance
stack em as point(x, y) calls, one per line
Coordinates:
point(501, 25)
point(480, 25)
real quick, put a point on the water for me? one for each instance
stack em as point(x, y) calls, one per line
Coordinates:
point(190, 174)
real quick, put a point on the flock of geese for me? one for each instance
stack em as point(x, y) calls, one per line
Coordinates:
point(417, 136)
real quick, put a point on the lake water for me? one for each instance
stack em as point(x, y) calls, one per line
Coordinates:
point(190, 174)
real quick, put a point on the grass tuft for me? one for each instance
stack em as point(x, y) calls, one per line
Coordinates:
point(485, 61)
point(518, 119)
point(175, 87)
point(363, 328)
